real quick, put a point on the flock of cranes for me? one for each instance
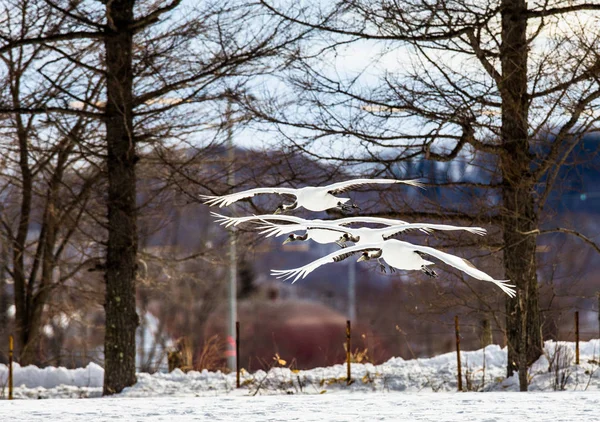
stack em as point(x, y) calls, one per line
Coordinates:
point(369, 243)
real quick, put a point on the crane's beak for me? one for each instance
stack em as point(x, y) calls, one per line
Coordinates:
point(363, 257)
point(277, 211)
point(288, 240)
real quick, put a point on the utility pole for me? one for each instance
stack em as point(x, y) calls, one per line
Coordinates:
point(230, 352)
point(352, 291)
point(4, 302)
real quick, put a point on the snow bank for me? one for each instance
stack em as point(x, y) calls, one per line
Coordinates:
point(50, 377)
point(483, 370)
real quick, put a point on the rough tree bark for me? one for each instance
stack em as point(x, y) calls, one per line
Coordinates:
point(121, 317)
point(519, 216)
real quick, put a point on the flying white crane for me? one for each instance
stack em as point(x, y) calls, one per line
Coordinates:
point(313, 198)
point(234, 221)
point(360, 235)
point(400, 255)
point(319, 235)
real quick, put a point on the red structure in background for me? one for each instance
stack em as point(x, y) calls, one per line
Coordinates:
point(306, 334)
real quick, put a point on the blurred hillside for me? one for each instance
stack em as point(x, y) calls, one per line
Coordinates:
point(401, 314)
point(183, 269)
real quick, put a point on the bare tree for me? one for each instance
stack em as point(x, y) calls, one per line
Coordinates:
point(506, 85)
point(40, 154)
point(160, 62)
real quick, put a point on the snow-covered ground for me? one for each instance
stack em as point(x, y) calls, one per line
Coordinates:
point(459, 407)
point(418, 389)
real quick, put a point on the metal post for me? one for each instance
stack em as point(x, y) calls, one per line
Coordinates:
point(458, 353)
point(231, 359)
point(4, 302)
point(576, 337)
point(352, 290)
point(348, 352)
point(10, 367)
point(237, 354)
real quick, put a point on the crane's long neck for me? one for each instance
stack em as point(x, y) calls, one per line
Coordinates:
point(285, 207)
point(292, 206)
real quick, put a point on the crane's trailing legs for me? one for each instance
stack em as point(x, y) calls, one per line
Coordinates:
point(431, 273)
point(377, 255)
point(347, 207)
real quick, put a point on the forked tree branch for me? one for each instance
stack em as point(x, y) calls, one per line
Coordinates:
point(586, 239)
point(444, 35)
point(76, 35)
point(153, 17)
point(46, 110)
point(78, 18)
point(560, 10)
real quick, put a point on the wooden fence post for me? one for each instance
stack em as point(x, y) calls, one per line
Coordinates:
point(576, 337)
point(10, 367)
point(458, 353)
point(348, 352)
point(237, 354)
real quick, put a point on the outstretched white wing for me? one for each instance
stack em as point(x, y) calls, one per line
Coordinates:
point(273, 229)
point(234, 221)
point(302, 272)
point(226, 200)
point(465, 266)
point(391, 231)
point(338, 225)
point(340, 187)
point(366, 219)
point(373, 220)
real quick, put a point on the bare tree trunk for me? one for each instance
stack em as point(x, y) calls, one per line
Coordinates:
point(519, 216)
point(22, 291)
point(45, 254)
point(121, 317)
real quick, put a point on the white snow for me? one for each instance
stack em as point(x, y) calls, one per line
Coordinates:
point(151, 344)
point(418, 389)
point(32, 377)
point(451, 407)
